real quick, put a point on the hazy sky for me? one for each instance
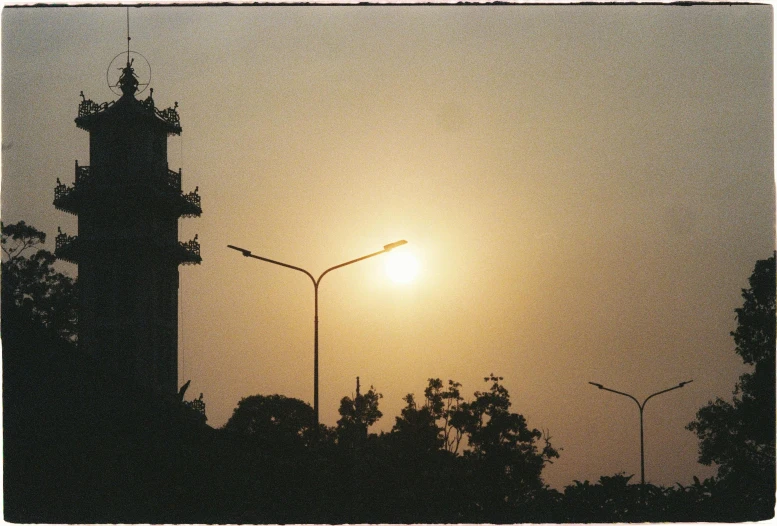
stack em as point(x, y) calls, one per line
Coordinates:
point(586, 188)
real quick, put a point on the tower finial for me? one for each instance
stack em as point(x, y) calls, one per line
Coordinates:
point(128, 81)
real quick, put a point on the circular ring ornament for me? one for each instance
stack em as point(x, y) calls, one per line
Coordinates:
point(141, 69)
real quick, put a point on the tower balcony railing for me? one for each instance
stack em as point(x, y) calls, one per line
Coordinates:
point(193, 198)
point(193, 204)
point(87, 106)
point(190, 252)
point(173, 179)
point(66, 247)
point(83, 174)
point(66, 197)
point(170, 115)
point(62, 191)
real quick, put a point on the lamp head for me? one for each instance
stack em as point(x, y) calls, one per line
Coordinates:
point(394, 245)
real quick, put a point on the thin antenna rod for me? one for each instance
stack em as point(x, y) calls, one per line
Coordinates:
point(128, 36)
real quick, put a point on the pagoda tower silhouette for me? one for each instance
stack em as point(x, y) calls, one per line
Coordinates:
point(128, 203)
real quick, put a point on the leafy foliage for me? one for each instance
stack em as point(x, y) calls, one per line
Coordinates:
point(273, 421)
point(18, 237)
point(357, 414)
point(502, 463)
point(739, 436)
point(415, 429)
point(503, 451)
point(611, 499)
point(443, 406)
point(32, 286)
point(755, 332)
point(492, 429)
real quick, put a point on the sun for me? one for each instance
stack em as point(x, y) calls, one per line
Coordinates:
point(401, 267)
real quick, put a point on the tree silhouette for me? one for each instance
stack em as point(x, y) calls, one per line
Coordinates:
point(30, 284)
point(443, 405)
point(357, 414)
point(273, 422)
point(739, 436)
point(415, 429)
point(498, 476)
point(503, 451)
point(612, 499)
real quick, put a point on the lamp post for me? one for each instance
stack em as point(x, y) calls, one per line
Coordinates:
point(641, 410)
point(248, 254)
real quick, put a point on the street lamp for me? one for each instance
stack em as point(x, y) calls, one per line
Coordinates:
point(248, 254)
point(641, 409)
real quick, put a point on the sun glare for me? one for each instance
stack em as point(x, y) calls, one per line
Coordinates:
point(401, 267)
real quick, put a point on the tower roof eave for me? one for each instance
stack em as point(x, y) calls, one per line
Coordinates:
point(91, 115)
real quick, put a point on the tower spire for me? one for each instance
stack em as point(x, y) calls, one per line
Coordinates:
point(132, 79)
point(128, 38)
point(128, 81)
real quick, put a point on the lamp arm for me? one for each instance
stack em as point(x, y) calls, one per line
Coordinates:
point(248, 254)
point(346, 263)
point(681, 384)
point(624, 394)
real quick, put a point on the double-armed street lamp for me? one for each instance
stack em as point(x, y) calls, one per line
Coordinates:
point(641, 410)
point(248, 254)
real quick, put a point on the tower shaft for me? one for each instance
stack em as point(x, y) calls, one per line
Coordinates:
point(128, 204)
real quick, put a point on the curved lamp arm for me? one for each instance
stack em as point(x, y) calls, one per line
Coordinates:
point(386, 248)
point(600, 386)
point(678, 386)
point(642, 405)
point(248, 254)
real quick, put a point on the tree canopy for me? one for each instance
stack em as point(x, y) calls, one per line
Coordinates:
point(357, 414)
point(32, 286)
point(273, 421)
point(739, 436)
